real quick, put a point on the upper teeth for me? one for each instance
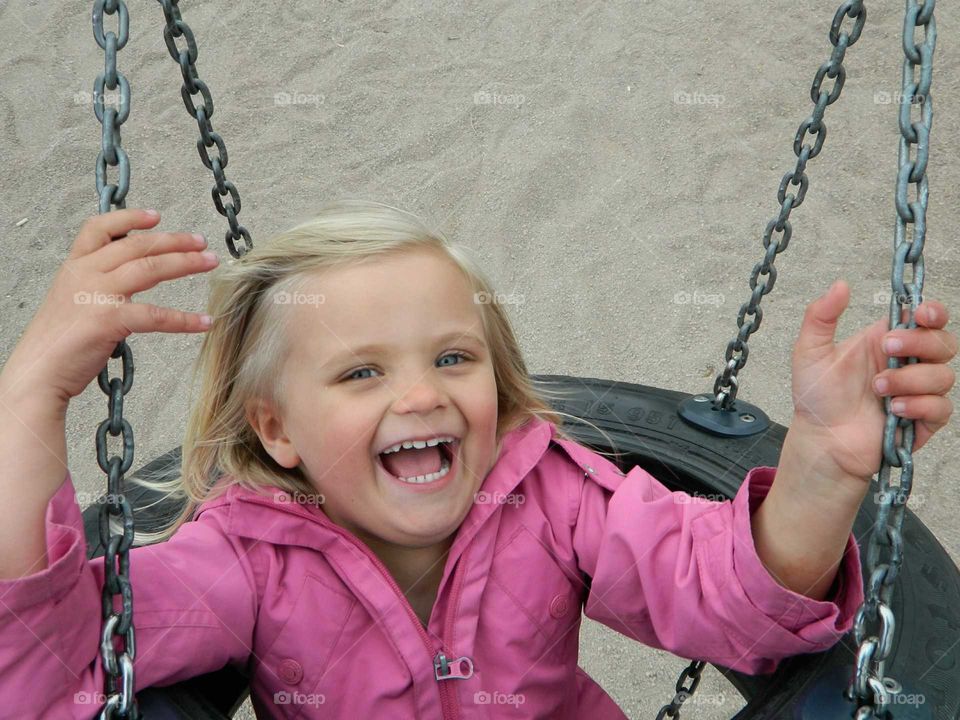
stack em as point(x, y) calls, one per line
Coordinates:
point(407, 444)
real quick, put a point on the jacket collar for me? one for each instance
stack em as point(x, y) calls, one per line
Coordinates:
point(270, 515)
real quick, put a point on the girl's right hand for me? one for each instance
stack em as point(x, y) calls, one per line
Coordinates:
point(88, 310)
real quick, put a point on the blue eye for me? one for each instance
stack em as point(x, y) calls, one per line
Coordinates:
point(462, 356)
point(351, 375)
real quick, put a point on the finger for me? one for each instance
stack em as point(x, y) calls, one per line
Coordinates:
point(121, 251)
point(933, 410)
point(918, 379)
point(146, 272)
point(930, 413)
point(98, 230)
point(144, 318)
point(932, 314)
point(922, 343)
point(819, 325)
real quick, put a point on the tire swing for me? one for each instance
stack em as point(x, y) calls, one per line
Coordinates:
point(689, 443)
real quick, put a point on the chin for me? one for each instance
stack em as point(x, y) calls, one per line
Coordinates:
point(427, 533)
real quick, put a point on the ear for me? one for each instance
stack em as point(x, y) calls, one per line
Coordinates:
point(268, 425)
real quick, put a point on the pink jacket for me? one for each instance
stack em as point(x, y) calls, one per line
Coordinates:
point(324, 632)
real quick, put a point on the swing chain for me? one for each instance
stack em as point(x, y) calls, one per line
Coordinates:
point(692, 671)
point(874, 648)
point(833, 69)
point(192, 84)
point(117, 627)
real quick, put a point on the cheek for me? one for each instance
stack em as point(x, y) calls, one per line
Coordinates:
point(486, 395)
point(335, 450)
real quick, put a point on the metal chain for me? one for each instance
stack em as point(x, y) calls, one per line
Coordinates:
point(724, 399)
point(672, 709)
point(833, 68)
point(117, 627)
point(192, 84)
point(870, 688)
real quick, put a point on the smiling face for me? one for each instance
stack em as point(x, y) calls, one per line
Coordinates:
point(431, 375)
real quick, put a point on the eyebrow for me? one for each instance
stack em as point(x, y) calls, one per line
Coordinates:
point(380, 349)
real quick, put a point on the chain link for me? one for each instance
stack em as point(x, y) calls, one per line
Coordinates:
point(117, 642)
point(870, 688)
point(193, 85)
point(692, 671)
point(725, 386)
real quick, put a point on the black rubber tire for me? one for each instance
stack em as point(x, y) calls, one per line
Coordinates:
point(646, 430)
point(644, 425)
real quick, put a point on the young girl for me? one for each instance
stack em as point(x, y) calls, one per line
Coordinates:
point(386, 521)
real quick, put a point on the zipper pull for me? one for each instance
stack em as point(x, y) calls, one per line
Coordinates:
point(445, 669)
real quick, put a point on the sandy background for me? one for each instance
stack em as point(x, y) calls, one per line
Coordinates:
point(587, 185)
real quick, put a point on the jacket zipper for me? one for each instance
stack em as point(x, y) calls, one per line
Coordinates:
point(441, 663)
point(442, 669)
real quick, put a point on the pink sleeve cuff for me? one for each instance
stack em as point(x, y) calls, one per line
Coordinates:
point(790, 609)
point(66, 556)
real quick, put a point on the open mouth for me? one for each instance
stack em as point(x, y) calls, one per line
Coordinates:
point(448, 462)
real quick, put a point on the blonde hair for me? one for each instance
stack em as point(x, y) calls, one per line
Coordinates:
point(241, 353)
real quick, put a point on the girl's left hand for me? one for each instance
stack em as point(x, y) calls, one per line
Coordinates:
point(834, 396)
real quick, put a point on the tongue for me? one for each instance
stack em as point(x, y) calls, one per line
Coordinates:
point(410, 463)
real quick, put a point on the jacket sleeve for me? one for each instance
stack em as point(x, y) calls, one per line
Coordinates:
point(681, 573)
point(194, 608)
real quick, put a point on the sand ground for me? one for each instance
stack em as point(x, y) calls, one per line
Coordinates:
point(599, 157)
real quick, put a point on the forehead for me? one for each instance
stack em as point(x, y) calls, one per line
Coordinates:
point(400, 300)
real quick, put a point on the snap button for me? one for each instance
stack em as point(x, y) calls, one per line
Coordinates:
point(559, 606)
point(589, 469)
point(290, 671)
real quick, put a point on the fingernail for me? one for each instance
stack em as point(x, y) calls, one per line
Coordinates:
point(209, 255)
point(206, 320)
point(200, 238)
point(892, 344)
point(898, 406)
point(152, 213)
point(881, 384)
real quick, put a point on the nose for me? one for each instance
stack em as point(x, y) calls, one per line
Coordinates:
point(420, 395)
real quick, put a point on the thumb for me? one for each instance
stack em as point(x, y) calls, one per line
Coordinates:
point(819, 325)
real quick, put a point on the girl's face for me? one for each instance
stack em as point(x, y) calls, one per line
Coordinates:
point(430, 375)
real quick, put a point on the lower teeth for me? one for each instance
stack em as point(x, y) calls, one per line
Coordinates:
point(419, 479)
